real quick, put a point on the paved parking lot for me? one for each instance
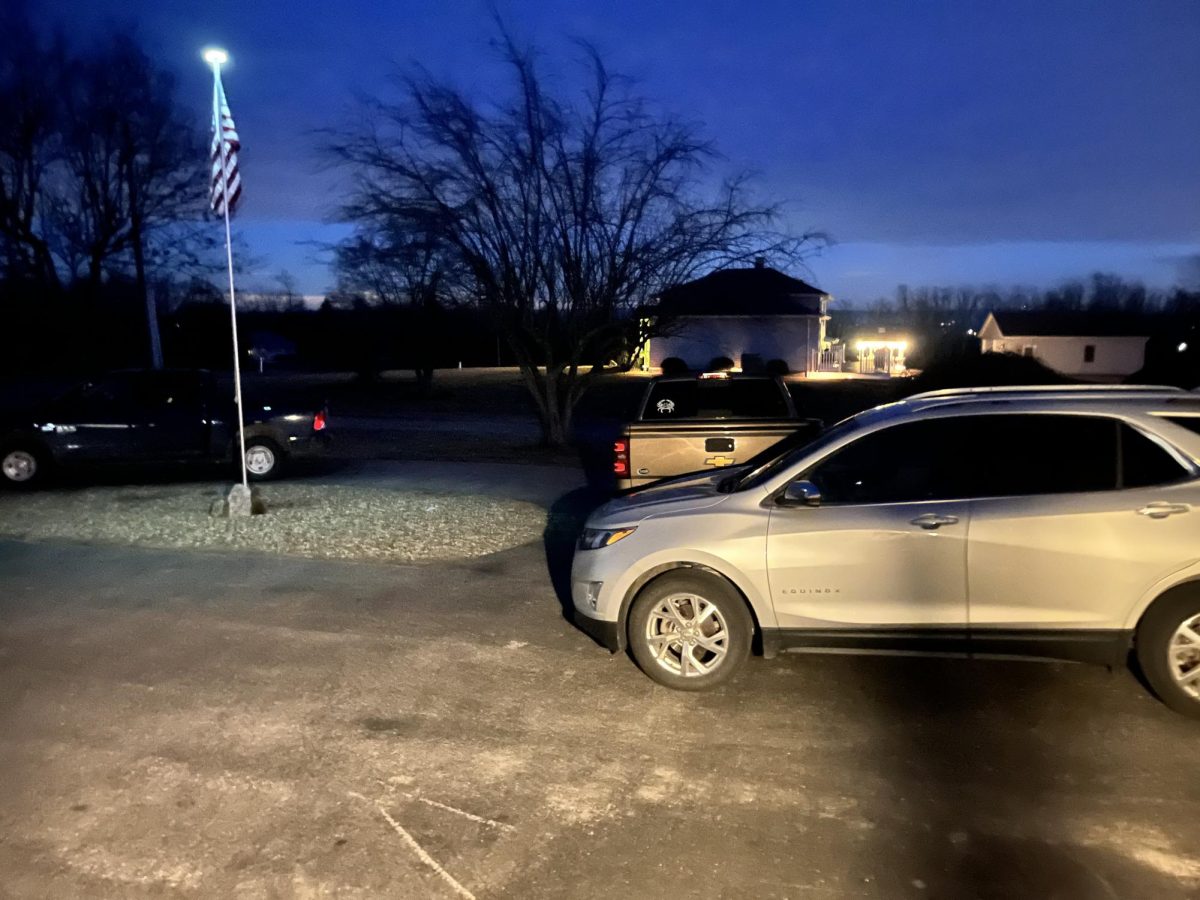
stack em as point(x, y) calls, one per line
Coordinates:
point(200, 725)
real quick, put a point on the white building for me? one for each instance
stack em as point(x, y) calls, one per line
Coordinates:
point(1080, 344)
point(747, 315)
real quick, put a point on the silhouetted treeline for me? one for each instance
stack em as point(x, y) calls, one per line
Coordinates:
point(354, 338)
point(942, 322)
point(933, 308)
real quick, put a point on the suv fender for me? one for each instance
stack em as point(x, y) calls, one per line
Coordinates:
point(1187, 578)
point(762, 613)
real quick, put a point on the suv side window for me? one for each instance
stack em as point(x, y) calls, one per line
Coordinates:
point(1029, 454)
point(905, 463)
point(1144, 463)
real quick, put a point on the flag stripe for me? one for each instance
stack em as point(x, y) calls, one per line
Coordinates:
point(226, 186)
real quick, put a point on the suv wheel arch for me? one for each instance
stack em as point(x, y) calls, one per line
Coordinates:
point(650, 575)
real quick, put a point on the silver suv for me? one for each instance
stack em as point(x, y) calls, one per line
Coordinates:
point(1052, 522)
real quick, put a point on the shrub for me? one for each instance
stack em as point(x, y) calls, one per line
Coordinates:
point(985, 370)
point(778, 367)
point(753, 363)
point(673, 365)
point(719, 364)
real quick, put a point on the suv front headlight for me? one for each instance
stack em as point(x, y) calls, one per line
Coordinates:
point(595, 538)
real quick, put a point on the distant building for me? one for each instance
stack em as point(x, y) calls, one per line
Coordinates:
point(751, 316)
point(880, 352)
point(1098, 346)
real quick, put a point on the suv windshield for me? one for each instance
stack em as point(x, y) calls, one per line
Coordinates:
point(778, 456)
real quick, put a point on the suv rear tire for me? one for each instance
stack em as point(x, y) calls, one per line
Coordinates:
point(1168, 651)
point(689, 631)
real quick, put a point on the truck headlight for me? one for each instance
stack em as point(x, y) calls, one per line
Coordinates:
point(595, 538)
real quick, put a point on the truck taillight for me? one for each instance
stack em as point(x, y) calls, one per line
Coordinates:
point(319, 421)
point(620, 457)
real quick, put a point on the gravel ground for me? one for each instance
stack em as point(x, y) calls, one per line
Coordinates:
point(319, 522)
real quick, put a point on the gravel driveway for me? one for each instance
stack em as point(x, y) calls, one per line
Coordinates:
point(321, 521)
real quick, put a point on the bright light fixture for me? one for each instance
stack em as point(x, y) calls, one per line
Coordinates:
point(1182, 346)
point(215, 56)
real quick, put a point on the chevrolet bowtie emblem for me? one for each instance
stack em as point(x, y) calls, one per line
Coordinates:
point(719, 461)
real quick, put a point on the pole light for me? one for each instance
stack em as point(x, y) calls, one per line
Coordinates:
point(215, 57)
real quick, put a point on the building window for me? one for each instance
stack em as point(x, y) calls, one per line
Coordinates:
point(1029, 350)
point(1089, 353)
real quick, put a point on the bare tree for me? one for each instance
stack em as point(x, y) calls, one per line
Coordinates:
point(162, 167)
point(570, 216)
point(403, 268)
point(131, 189)
point(29, 109)
point(287, 288)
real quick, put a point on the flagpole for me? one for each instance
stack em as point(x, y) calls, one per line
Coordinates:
point(237, 368)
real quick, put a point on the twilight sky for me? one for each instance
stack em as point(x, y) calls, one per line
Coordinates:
point(937, 141)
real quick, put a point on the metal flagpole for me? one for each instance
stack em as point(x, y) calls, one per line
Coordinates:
point(237, 368)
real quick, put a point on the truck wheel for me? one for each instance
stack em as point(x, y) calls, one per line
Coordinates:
point(689, 631)
point(22, 466)
point(264, 459)
point(1168, 651)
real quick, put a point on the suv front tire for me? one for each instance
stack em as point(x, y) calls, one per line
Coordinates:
point(690, 631)
point(1168, 650)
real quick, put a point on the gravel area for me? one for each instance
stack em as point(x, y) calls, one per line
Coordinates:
point(319, 522)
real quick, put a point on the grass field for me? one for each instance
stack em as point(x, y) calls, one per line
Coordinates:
point(484, 414)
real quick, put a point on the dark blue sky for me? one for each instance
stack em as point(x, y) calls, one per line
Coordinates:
point(937, 142)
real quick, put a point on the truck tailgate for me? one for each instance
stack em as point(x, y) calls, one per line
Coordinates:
point(658, 451)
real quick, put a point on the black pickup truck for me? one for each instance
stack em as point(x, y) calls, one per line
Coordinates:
point(168, 416)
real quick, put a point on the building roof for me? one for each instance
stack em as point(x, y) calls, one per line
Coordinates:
point(757, 291)
point(1067, 323)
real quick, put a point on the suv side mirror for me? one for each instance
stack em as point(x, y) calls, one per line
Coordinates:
point(800, 493)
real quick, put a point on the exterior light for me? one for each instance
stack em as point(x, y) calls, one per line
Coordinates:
point(1182, 346)
point(215, 56)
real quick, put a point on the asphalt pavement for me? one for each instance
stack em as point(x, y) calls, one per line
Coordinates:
point(188, 724)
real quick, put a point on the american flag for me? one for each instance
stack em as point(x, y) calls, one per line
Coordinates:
point(226, 181)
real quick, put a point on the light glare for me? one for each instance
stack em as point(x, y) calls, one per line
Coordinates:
point(215, 56)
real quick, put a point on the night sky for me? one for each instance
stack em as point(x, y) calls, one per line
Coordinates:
point(937, 142)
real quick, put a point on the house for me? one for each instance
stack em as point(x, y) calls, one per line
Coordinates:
point(1090, 345)
point(752, 315)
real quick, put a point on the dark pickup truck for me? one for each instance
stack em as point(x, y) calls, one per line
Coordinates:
point(689, 423)
point(134, 417)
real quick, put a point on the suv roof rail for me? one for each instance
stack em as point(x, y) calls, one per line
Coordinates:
point(1121, 389)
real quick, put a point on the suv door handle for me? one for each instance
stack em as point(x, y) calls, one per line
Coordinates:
point(1160, 510)
point(930, 521)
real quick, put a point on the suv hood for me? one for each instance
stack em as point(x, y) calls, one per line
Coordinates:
point(674, 495)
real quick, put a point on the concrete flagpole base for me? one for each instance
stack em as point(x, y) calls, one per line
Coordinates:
point(240, 501)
